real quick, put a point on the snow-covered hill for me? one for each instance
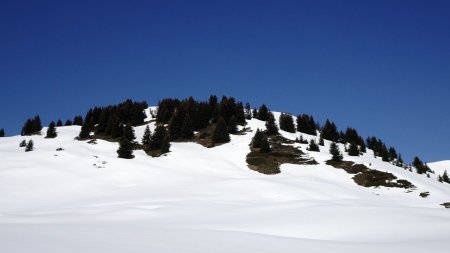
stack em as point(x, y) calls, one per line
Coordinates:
point(85, 199)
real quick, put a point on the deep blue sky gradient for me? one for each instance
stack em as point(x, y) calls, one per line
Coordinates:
point(382, 67)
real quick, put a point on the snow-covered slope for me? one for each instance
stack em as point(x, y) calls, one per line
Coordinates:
point(195, 199)
point(440, 167)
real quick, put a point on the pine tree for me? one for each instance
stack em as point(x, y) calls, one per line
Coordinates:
point(440, 179)
point(313, 146)
point(329, 132)
point(128, 132)
point(2, 133)
point(353, 149)
point(232, 125)
point(146, 139)
point(220, 134)
point(125, 149)
point(362, 147)
point(335, 152)
point(103, 122)
point(175, 124)
point(51, 130)
point(263, 113)
point(287, 123)
point(85, 130)
point(30, 146)
point(257, 139)
point(321, 141)
point(59, 123)
point(23, 144)
point(187, 128)
point(306, 124)
point(445, 177)
point(114, 128)
point(271, 126)
point(420, 167)
point(165, 145)
point(254, 113)
point(158, 137)
point(78, 120)
point(248, 111)
point(265, 146)
point(68, 122)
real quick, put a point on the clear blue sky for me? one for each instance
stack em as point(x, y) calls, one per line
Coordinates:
point(382, 67)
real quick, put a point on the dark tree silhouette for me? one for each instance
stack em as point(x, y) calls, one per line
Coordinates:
point(51, 130)
point(220, 134)
point(125, 149)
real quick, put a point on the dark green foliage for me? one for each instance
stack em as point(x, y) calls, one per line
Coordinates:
point(68, 122)
point(353, 149)
point(420, 166)
point(23, 144)
point(2, 133)
point(301, 140)
point(103, 122)
point(392, 153)
point(445, 177)
point(254, 113)
point(59, 123)
point(158, 137)
point(125, 150)
point(263, 113)
point(165, 145)
point(257, 139)
point(329, 132)
point(271, 126)
point(362, 147)
point(128, 132)
point(321, 141)
point(335, 152)
point(85, 129)
point(232, 125)
point(175, 124)
point(351, 135)
point(239, 114)
point(32, 126)
point(248, 111)
point(265, 146)
point(146, 139)
point(30, 146)
point(78, 121)
point(287, 123)
point(187, 128)
point(220, 134)
point(306, 124)
point(51, 130)
point(313, 146)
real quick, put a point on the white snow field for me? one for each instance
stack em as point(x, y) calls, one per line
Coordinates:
point(195, 199)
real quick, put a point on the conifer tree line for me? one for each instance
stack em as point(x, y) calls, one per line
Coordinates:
point(421, 168)
point(2, 132)
point(444, 178)
point(32, 126)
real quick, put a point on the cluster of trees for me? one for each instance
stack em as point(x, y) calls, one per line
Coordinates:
point(261, 142)
point(159, 140)
point(2, 132)
point(421, 168)
point(444, 178)
point(32, 126)
point(313, 146)
point(29, 146)
point(335, 152)
point(306, 124)
point(387, 154)
point(186, 116)
point(287, 123)
point(51, 130)
point(111, 120)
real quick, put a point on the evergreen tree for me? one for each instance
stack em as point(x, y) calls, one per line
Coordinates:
point(23, 144)
point(321, 141)
point(353, 149)
point(257, 139)
point(146, 139)
point(30, 146)
point(2, 133)
point(165, 145)
point(287, 123)
point(254, 113)
point(265, 146)
point(51, 130)
point(125, 149)
point(313, 146)
point(68, 122)
point(158, 137)
point(248, 111)
point(78, 120)
point(440, 179)
point(263, 113)
point(232, 125)
point(445, 177)
point(420, 167)
point(271, 126)
point(362, 147)
point(114, 128)
point(175, 124)
point(103, 122)
point(128, 132)
point(59, 123)
point(32, 126)
point(306, 124)
point(187, 128)
point(220, 134)
point(329, 131)
point(85, 130)
point(335, 152)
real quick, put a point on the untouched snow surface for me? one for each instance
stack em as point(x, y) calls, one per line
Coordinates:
point(85, 199)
